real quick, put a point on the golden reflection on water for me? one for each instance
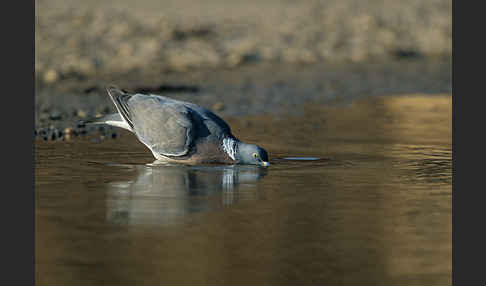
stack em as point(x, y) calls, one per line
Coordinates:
point(375, 209)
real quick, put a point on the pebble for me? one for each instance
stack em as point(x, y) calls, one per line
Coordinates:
point(101, 129)
point(51, 133)
point(51, 76)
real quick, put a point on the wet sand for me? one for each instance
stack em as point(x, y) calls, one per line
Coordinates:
point(373, 209)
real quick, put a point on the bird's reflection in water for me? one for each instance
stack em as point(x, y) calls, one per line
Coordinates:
point(163, 194)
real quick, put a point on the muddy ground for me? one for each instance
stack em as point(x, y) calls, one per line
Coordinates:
point(249, 90)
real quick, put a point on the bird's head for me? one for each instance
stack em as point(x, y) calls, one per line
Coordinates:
point(251, 154)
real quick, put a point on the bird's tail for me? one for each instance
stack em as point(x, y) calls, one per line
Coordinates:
point(97, 120)
point(110, 119)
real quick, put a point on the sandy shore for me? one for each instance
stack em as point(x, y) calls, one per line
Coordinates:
point(91, 38)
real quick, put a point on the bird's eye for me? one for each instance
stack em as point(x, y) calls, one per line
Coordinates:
point(255, 155)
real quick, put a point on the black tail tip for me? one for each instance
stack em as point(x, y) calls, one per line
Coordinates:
point(115, 90)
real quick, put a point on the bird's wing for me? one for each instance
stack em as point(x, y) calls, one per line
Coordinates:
point(165, 126)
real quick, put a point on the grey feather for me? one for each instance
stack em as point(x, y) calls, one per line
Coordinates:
point(166, 127)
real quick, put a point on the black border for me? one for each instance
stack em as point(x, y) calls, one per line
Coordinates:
point(18, 142)
point(467, 166)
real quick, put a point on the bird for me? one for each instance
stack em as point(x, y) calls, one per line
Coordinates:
point(179, 132)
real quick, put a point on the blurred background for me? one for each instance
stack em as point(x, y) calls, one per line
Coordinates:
point(237, 57)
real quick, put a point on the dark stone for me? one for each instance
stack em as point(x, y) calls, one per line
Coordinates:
point(91, 89)
point(55, 115)
point(165, 88)
point(200, 32)
point(406, 54)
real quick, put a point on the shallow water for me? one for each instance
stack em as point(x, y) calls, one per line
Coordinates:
point(357, 194)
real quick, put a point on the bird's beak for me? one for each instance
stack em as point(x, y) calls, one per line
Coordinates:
point(265, 164)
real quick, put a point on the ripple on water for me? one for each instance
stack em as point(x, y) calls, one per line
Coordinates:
point(301, 158)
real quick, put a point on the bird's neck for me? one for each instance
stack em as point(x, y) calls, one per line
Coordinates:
point(230, 146)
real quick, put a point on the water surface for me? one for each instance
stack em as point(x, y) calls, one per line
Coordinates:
point(356, 195)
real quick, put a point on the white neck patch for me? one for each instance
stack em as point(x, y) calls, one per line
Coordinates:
point(229, 146)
